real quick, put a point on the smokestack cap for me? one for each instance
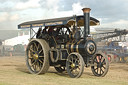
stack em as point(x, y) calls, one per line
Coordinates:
point(86, 10)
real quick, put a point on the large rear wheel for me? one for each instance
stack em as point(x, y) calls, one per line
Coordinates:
point(37, 58)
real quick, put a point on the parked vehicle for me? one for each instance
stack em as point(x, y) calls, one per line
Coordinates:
point(64, 44)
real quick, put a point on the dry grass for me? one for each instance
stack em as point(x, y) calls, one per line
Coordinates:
point(13, 71)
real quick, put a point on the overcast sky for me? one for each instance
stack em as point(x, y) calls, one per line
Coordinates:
point(111, 13)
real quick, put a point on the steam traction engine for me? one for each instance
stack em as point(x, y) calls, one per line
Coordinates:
point(65, 44)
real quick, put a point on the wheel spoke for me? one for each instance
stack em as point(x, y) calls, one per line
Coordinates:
point(97, 70)
point(100, 70)
point(69, 61)
point(77, 70)
point(40, 61)
point(78, 65)
point(41, 56)
point(30, 58)
point(29, 54)
point(76, 60)
point(97, 58)
point(102, 59)
point(72, 59)
point(74, 72)
point(40, 51)
point(33, 63)
point(35, 68)
point(40, 65)
point(32, 50)
point(71, 69)
point(35, 46)
point(104, 67)
point(104, 63)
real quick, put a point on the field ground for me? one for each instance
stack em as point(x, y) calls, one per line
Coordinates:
point(13, 71)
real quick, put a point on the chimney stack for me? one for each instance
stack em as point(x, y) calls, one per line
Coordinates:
point(86, 12)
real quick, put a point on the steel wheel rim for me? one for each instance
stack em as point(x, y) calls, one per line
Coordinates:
point(35, 57)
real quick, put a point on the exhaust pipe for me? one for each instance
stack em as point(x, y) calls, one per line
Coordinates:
point(86, 12)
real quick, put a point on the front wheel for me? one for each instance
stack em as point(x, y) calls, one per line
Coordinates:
point(75, 65)
point(100, 64)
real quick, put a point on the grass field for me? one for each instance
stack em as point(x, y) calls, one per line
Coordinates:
point(13, 71)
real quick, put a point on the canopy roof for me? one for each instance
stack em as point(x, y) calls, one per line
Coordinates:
point(58, 21)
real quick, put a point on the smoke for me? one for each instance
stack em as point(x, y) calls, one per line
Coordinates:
point(50, 10)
